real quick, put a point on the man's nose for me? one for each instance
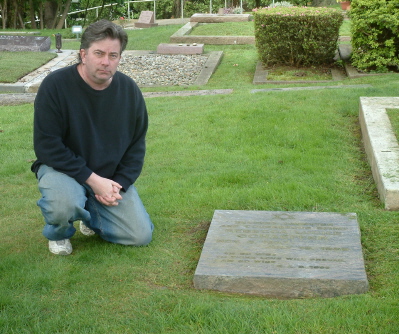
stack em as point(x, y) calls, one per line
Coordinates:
point(105, 60)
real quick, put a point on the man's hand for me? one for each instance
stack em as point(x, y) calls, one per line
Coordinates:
point(105, 190)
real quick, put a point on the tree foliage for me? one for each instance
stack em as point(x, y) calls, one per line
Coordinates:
point(52, 14)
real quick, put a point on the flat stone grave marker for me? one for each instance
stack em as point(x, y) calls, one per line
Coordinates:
point(180, 49)
point(146, 20)
point(282, 254)
point(24, 43)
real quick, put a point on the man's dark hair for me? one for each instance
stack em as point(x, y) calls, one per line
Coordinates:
point(101, 30)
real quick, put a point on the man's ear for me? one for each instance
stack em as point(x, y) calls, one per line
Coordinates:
point(82, 53)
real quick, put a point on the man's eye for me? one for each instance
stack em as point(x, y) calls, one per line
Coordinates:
point(113, 56)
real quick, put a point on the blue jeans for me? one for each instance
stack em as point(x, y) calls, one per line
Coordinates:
point(64, 201)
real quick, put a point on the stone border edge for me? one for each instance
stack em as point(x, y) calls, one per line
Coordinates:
point(381, 146)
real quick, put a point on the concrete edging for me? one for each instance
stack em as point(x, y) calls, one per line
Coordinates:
point(209, 68)
point(381, 146)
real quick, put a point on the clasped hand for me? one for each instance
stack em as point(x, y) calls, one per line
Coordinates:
point(106, 191)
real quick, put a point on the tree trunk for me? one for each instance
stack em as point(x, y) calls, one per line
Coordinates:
point(32, 15)
point(50, 13)
point(87, 6)
point(176, 9)
point(4, 13)
point(15, 14)
point(64, 14)
point(21, 21)
point(41, 17)
point(102, 9)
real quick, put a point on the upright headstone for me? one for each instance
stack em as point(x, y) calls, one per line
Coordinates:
point(24, 43)
point(146, 20)
point(282, 254)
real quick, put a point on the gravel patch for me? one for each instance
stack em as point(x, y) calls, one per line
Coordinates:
point(163, 70)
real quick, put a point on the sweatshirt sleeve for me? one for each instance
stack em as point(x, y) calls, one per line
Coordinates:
point(49, 129)
point(131, 164)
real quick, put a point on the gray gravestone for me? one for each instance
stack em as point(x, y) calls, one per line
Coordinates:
point(282, 254)
point(146, 20)
point(24, 43)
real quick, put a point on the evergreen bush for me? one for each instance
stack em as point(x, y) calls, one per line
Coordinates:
point(375, 35)
point(297, 36)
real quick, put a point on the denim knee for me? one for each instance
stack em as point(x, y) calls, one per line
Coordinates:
point(141, 237)
point(58, 210)
point(63, 199)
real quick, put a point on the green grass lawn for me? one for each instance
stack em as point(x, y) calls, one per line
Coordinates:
point(290, 151)
point(15, 65)
point(224, 29)
point(393, 115)
point(345, 29)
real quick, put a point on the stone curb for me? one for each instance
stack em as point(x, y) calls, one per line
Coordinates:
point(25, 98)
point(209, 68)
point(309, 88)
point(188, 93)
point(16, 99)
point(381, 146)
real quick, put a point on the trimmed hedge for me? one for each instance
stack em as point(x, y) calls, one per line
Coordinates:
point(375, 35)
point(297, 36)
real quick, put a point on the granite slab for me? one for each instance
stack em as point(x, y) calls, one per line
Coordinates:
point(282, 254)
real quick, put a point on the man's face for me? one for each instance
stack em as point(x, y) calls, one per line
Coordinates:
point(100, 61)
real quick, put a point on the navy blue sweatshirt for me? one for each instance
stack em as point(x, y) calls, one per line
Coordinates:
point(79, 130)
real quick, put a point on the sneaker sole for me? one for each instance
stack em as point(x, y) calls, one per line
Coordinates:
point(61, 253)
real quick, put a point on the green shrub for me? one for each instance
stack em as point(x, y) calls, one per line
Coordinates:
point(375, 35)
point(297, 36)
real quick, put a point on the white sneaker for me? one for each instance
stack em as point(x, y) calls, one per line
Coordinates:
point(60, 247)
point(86, 230)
